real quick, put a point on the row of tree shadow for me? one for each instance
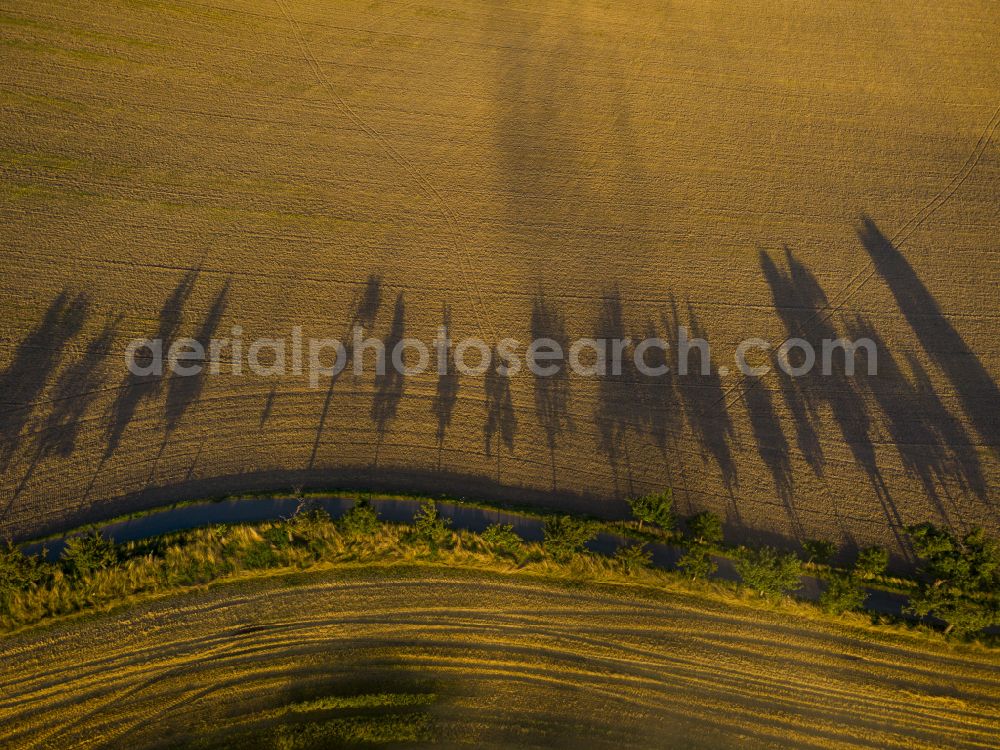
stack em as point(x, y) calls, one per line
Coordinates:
point(932, 442)
point(80, 381)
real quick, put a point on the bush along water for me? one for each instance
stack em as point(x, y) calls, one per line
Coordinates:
point(958, 579)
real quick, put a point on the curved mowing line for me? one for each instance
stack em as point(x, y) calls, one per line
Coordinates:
point(680, 685)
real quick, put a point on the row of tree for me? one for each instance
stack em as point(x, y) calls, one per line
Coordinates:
point(958, 581)
point(958, 578)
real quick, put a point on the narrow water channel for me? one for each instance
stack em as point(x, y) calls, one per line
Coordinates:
point(402, 510)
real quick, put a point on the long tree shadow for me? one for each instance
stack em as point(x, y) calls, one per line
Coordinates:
point(36, 358)
point(661, 413)
point(183, 391)
point(552, 392)
point(802, 406)
point(389, 384)
point(976, 390)
point(446, 393)
point(932, 444)
point(137, 388)
point(705, 405)
point(803, 307)
point(500, 426)
point(797, 297)
point(772, 445)
point(966, 469)
point(75, 390)
point(534, 99)
point(366, 306)
point(619, 407)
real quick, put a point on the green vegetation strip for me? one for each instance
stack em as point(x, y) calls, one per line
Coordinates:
point(958, 585)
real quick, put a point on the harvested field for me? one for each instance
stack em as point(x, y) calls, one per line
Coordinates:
point(529, 169)
point(488, 660)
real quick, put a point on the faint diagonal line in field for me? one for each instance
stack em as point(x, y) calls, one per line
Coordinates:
point(864, 275)
point(458, 238)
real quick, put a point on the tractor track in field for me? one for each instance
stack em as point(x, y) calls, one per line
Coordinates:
point(667, 663)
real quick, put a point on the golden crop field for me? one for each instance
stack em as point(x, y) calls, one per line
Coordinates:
point(519, 169)
point(473, 658)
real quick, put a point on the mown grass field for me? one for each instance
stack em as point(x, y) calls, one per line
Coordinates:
point(423, 655)
point(556, 168)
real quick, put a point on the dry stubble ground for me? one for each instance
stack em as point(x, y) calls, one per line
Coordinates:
point(503, 661)
point(180, 167)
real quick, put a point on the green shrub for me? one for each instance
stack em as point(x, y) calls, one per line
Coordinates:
point(87, 553)
point(197, 560)
point(843, 593)
point(705, 528)
point(429, 526)
point(633, 557)
point(697, 562)
point(964, 615)
point(960, 578)
point(566, 536)
point(767, 571)
point(871, 562)
point(819, 551)
point(18, 573)
point(360, 520)
point(307, 517)
point(279, 535)
point(657, 508)
point(502, 537)
point(260, 555)
point(971, 563)
point(311, 529)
